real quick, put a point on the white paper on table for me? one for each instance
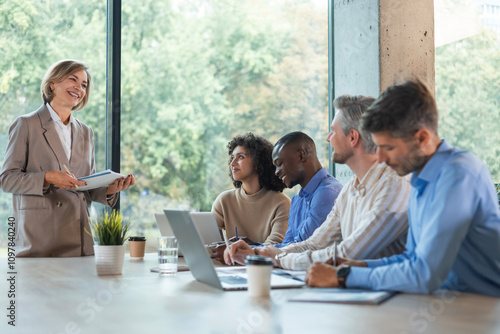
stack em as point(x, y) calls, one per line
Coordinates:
point(101, 179)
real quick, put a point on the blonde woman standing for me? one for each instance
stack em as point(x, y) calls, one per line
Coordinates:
point(50, 213)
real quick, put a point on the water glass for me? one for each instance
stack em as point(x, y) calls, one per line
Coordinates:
point(167, 255)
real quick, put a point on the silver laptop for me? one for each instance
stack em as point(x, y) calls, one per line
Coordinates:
point(201, 264)
point(204, 221)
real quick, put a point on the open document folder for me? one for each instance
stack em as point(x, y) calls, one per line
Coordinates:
point(101, 179)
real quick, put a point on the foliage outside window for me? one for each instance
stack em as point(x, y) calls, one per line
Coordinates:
point(468, 79)
point(197, 73)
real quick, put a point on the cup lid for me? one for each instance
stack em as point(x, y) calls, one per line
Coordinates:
point(136, 238)
point(258, 260)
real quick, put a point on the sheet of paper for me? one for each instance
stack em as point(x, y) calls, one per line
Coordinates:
point(295, 274)
point(101, 179)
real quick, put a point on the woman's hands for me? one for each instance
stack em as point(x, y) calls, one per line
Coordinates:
point(120, 184)
point(62, 180)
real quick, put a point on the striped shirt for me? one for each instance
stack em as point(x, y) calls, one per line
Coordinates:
point(369, 220)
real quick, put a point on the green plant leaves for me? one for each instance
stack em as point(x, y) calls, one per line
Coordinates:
point(109, 229)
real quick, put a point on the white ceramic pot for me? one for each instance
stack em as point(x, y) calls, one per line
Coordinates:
point(109, 259)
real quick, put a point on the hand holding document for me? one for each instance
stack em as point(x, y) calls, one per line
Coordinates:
point(101, 179)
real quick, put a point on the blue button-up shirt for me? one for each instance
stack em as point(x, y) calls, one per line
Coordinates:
point(454, 235)
point(310, 207)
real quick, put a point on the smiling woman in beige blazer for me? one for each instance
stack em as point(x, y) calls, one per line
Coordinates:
point(51, 214)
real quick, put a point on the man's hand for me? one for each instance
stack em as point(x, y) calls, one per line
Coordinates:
point(62, 180)
point(120, 184)
point(269, 251)
point(322, 275)
point(238, 251)
point(218, 249)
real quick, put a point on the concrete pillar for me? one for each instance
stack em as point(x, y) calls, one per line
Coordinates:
point(377, 43)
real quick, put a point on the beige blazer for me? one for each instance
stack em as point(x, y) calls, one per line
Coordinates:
point(50, 221)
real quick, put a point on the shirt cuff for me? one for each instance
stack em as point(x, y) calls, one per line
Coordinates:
point(296, 261)
point(359, 277)
point(375, 263)
point(290, 248)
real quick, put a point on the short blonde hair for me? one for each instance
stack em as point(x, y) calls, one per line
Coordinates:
point(60, 71)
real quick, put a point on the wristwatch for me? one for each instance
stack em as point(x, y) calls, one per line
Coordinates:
point(279, 256)
point(342, 273)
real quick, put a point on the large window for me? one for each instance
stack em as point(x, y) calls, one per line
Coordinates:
point(33, 36)
point(197, 73)
point(194, 74)
point(468, 77)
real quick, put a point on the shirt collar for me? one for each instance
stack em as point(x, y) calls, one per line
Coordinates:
point(370, 179)
point(432, 167)
point(56, 117)
point(313, 182)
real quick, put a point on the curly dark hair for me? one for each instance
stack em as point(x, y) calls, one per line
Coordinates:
point(260, 149)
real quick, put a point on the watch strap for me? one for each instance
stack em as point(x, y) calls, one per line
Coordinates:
point(279, 256)
point(342, 273)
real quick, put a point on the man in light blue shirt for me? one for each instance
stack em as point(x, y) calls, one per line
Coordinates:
point(297, 163)
point(310, 206)
point(454, 235)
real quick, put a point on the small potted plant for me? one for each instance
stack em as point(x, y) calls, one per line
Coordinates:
point(109, 234)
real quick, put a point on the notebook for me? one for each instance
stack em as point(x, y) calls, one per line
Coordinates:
point(348, 296)
point(201, 264)
point(101, 179)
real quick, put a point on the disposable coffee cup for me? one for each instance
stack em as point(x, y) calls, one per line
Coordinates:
point(137, 245)
point(259, 269)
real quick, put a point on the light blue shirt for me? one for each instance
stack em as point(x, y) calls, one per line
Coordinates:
point(454, 236)
point(310, 207)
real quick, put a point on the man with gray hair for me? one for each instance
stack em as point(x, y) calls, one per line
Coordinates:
point(369, 219)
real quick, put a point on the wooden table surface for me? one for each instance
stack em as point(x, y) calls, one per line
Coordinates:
point(65, 295)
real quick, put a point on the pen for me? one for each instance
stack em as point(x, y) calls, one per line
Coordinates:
point(236, 233)
point(335, 253)
point(67, 171)
point(227, 245)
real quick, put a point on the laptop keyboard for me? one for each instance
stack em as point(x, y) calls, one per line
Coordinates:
point(233, 279)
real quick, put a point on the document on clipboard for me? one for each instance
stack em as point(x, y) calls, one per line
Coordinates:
point(101, 179)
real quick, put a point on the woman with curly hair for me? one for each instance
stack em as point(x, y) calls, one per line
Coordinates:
point(257, 207)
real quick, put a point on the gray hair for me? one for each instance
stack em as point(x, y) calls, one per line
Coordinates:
point(353, 108)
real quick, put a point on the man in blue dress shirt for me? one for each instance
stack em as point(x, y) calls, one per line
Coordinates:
point(454, 236)
point(297, 163)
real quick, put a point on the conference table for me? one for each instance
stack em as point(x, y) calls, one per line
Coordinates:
point(65, 295)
